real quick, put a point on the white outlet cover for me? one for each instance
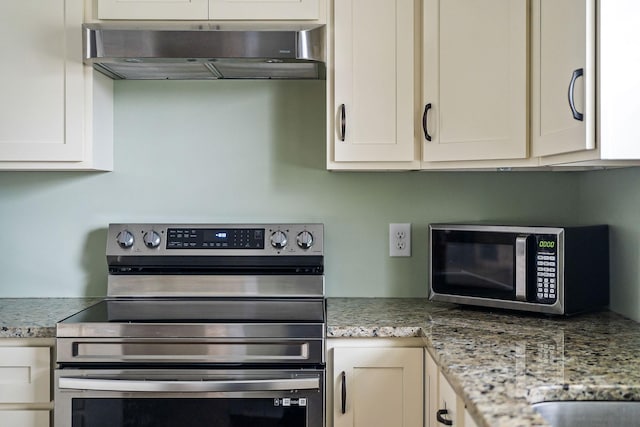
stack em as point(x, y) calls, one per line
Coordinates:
point(400, 239)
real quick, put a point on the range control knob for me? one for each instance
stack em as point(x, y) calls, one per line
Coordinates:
point(125, 239)
point(152, 239)
point(305, 239)
point(278, 239)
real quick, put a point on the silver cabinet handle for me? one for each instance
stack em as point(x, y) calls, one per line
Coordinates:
point(343, 122)
point(576, 114)
point(102, 384)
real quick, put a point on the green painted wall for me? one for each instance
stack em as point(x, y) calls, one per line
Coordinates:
point(613, 197)
point(254, 152)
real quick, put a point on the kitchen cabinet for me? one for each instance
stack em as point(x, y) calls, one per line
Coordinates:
point(153, 9)
point(563, 68)
point(56, 112)
point(25, 418)
point(210, 9)
point(442, 405)
point(473, 109)
point(583, 49)
point(474, 80)
point(264, 9)
point(25, 389)
point(371, 96)
point(375, 384)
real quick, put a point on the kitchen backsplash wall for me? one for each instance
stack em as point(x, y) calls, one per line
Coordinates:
point(613, 197)
point(234, 151)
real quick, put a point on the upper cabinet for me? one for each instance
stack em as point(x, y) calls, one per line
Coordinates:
point(371, 92)
point(583, 91)
point(563, 76)
point(56, 113)
point(458, 93)
point(499, 84)
point(474, 80)
point(153, 9)
point(210, 9)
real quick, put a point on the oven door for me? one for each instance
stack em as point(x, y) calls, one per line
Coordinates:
point(194, 398)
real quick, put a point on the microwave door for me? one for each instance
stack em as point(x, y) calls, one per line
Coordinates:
point(479, 264)
point(463, 277)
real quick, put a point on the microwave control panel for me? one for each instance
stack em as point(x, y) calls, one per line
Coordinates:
point(546, 262)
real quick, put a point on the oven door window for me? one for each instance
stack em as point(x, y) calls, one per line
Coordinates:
point(186, 412)
point(478, 264)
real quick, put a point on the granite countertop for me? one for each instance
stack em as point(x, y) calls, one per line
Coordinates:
point(37, 317)
point(501, 362)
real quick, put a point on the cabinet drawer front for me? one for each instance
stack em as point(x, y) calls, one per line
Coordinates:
point(24, 374)
point(264, 9)
point(25, 418)
point(153, 9)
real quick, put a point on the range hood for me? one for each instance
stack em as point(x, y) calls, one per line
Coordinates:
point(204, 51)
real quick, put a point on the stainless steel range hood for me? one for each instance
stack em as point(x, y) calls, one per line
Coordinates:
point(204, 52)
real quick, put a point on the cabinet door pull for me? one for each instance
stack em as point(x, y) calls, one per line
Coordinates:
point(442, 420)
point(576, 114)
point(424, 121)
point(343, 122)
point(343, 375)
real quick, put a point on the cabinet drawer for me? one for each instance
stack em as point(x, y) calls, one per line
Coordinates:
point(24, 418)
point(264, 9)
point(24, 374)
point(153, 9)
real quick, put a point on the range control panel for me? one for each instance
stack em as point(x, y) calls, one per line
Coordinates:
point(215, 239)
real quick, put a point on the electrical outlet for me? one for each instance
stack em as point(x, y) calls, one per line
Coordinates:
point(400, 239)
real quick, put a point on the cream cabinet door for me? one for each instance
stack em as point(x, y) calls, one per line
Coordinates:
point(153, 9)
point(26, 418)
point(468, 421)
point(450, 406)
point(431, 375)
point(24, 374)
point(377, 387)
point(474, 80)
point(372, 117)
point(563, 76)
point(47, 114)
point(264, 9)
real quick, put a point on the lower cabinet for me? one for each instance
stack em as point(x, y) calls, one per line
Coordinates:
point(25, 382)
point(25, 418)
point(443, 407)
point(374, 383)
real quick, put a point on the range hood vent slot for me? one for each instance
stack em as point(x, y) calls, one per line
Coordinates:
point(205, 52)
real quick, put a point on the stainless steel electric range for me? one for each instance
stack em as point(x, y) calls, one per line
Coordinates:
point(203, 325)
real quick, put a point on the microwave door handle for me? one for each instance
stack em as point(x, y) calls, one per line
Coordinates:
point(521, 268)
point(204, 386)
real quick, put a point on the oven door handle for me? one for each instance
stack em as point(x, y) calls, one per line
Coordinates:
point(203, 386)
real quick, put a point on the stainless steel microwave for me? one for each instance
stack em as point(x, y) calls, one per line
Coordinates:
point(544, 269)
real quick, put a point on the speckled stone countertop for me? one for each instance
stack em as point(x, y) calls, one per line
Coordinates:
point(37, 317)
point(501, 362)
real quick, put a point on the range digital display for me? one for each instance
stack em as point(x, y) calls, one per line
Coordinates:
point(215, 238)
